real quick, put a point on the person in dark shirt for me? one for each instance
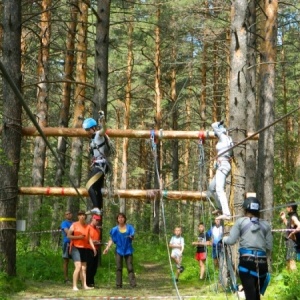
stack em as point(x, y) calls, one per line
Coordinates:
point(292, 236)
point(201, 249)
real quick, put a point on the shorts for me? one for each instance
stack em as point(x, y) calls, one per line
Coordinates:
point(177, 255)
point(216, 251)
point(65, 250)
point(290, 250)
point(200, 256)
point(79, 254)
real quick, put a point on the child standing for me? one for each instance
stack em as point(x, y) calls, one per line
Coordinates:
point(203, 241)
point(177, 245)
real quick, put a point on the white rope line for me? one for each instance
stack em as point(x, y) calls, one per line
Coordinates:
point(163, 212)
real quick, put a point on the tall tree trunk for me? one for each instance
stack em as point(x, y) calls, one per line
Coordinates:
point(65, 106)
point(158, 97)
point(123, 184)
point(39, 159)
point(251, 146)
point(265, 174)
point(79, 98)
point(101, 57)
point(237, 102)
point(11, 135)
point(286, 151)
point(204, 86)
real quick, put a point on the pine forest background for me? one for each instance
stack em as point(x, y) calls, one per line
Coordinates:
point(154, 65)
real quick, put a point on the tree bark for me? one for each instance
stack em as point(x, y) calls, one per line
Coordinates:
point(101, 57)
point(237, 102)
point(158, 98)
point(79, 98)
point(127, 103)
point(11, 135)
point(39, 160)
point(265, 174)
point(251, 146)
point(65, 106)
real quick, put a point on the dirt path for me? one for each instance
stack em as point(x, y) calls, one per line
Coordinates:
point(155, 282)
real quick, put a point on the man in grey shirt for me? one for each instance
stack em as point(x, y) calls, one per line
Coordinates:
point(255, 240)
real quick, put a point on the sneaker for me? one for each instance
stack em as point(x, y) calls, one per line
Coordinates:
point(176, 280)
point(181, 269)
point(94, 211)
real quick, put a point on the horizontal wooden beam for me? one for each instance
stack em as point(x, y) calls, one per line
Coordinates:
point(134, 194)
point(129, 133)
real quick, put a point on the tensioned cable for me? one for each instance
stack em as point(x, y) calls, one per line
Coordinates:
point(35, 123)
point(154, 150)
point(239, 143)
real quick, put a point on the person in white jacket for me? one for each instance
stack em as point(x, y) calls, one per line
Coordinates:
point(216, 187)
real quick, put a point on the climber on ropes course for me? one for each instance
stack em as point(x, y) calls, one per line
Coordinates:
point(216, 188)
point(255, 239)
point(100, 166)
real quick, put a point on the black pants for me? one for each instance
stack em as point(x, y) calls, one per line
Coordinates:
point(129, 264)
point(91, 266)
point(251, 283)
point(95, 190)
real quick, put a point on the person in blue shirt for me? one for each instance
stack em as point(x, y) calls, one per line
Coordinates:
point(216, 234)
point(65, 226)
point(122, 236)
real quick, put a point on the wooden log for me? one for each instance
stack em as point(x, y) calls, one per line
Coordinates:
point(133, 194)
point(129, 133)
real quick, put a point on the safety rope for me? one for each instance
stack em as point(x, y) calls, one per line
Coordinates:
point(154, 151)
point(35, 123)
point(237, 144)
point(231, 273)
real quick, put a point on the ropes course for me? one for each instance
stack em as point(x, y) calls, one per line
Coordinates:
point(161, 193)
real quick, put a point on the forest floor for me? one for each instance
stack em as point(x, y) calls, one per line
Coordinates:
point(153, 283)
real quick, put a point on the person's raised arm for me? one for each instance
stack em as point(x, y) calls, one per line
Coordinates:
point(102, 122)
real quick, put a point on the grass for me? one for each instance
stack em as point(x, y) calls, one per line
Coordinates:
point(40, 277)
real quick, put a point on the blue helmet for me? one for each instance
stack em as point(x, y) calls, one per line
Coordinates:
point(89, 123)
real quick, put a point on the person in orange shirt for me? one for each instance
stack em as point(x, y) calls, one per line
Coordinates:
point(92, 260)
point(79, 234)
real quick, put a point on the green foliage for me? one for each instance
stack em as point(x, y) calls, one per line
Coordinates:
point(41, 264)
point(43, 267)
point(10, 285)
point(287, 285)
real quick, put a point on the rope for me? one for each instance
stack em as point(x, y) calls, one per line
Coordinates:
point(239, 143)
point(154, 150)
point(231, 273)
point(35, 123)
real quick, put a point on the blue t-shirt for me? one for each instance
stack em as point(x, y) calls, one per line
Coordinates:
point(122, 239)
point(65, 224)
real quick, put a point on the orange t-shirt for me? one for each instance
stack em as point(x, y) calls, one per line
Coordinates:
point(95, 236)
point(80, 229)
